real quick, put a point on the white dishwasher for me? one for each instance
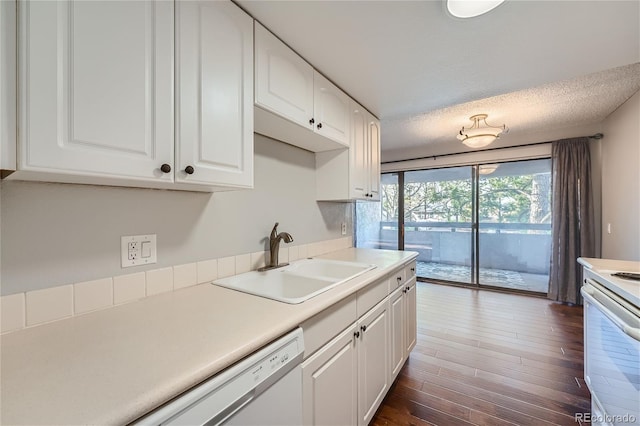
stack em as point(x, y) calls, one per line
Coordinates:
point(262, 389)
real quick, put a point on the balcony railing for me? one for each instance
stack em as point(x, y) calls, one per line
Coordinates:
point(522, 247)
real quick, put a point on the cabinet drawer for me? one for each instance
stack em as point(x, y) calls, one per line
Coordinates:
point(371, 295)
point(323, 327)
point(410, 270)
point(397, 278)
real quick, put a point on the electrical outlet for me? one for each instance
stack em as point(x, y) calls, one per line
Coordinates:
point(138, 250)
point(344, 228)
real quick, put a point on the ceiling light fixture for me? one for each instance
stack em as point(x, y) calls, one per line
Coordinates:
point(471, 8)
point(487, 169)
point(478, 136)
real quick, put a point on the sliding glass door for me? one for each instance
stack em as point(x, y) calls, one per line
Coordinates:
point(438, 213)
point(514, 211)
point(483, 225)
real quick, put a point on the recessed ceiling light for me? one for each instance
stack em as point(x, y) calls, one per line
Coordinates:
point(471, 8)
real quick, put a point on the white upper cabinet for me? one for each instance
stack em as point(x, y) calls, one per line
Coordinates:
point(214, 113)
point(96, 83)
point(96, 95)
point(296, 104)
point(353, 174)
point(7, 84)
point(284, 81)
point(331, 110)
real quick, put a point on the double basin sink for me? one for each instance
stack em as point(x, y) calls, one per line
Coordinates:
point(296, 282)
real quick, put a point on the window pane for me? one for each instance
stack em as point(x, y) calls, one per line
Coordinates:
point(515, 224)
point(438, 207)
point(377, 223)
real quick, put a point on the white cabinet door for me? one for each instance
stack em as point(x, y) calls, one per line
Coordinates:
point(373, 364)
point(358, 152)
point(8, 84)
point(331, 110)
point(214, 74)
point(284, 81)
point(374, 158)
point(96, 88)
point(329, 383)
point(411, 326)
point(397, 316)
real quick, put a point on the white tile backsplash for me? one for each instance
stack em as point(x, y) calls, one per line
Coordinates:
point(226, 266)
point(159, 281)
point(49, 304)
point(185, 275)
point(92, 295)
point(207, 270)
point(12, 312)
point(40, 306)
point(294, 253)
point(243, 263)
point(258, 260)
point(127, 288)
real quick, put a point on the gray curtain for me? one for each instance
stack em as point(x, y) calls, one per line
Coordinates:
point(573, 233)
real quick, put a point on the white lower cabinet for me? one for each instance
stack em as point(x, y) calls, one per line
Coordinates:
point(397, 327)
point(345, 378)
point(344, 382)
point(373, 377)
point(411, 320)
point(330, 382)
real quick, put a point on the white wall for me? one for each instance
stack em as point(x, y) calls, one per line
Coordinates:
point(620, 151)
point(55, 234)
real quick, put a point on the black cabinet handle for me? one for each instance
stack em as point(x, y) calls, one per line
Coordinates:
point(357, 334)
point(319, 126)
point(413, 269)
point(408, 288)
point(189, 170)
point(399, 279)
point(165, 168)
point(363, 328)
point(312, 121)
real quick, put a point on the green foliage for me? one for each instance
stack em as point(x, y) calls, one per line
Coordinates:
point(504, 199)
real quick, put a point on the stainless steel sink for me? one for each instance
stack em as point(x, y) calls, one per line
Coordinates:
point(296, 282)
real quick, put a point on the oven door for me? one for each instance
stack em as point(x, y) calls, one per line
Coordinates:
point(612, 355)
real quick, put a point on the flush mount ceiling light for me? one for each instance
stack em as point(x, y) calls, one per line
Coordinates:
point(471, 8)
point(487, 169)
point(480, 134)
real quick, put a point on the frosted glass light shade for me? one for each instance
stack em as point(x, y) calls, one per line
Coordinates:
point(480, 134)
point(479, 141)
point(471, 8)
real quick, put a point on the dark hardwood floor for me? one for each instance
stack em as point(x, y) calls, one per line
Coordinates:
point(489, 358)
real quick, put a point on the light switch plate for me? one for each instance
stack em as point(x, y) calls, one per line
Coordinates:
point(138, 250)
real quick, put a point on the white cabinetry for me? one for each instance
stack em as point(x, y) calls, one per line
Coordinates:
point(96, 83)
point(330, 382)
point(295, 103)
point(402, 318)
point(352, 174)
point(373, 347)
point(345, 380)
point(96, 94)
point(214, 108)
point(7, 84)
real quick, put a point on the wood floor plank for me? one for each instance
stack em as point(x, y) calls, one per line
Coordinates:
point(489, 358)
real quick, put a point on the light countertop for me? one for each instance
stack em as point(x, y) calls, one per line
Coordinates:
point(115, 365)
point(603, 268)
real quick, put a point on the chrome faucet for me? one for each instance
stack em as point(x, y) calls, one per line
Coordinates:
point(274, 247)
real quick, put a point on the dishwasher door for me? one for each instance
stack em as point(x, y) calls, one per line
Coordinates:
point(262, 389)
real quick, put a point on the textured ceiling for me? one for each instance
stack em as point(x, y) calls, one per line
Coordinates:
point(528, 64)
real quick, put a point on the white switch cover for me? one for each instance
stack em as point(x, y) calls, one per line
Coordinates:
point(138, 250)
point(343, 228)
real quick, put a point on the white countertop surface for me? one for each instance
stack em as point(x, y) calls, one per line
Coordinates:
point(114, 365)
point(603, 268)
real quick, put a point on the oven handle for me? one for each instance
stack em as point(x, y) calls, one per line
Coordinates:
point(588, 292)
